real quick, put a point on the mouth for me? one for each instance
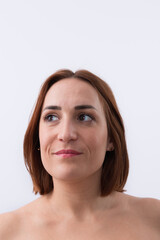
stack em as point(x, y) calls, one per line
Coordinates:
point(65, 153)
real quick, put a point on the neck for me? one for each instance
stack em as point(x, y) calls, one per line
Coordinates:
point(78, 199)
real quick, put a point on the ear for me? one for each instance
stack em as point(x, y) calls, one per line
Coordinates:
point(110, 147)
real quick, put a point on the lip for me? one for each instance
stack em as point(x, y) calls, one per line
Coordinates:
point(68, 151)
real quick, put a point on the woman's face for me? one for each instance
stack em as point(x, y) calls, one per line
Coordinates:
point(72, 118)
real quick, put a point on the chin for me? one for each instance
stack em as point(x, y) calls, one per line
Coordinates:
point(67, 174)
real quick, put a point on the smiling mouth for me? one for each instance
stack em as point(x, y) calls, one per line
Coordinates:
point(67, 153)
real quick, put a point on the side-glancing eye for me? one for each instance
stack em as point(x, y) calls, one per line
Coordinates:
point(50, 118)
point(85, 117)
point(82, 117)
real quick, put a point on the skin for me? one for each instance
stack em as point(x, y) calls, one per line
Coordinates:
point(75, 210)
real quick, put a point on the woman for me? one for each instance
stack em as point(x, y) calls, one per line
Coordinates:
point(76, 154)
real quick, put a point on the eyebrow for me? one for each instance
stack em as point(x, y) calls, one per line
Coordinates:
point(79, 107)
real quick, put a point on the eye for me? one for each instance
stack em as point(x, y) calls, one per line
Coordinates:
point(50, 118)
point(85, 117)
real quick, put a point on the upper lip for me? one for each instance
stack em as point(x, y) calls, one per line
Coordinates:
point(67, 151)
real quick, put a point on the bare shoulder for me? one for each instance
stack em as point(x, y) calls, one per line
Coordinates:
point(8, 225)
point(146, 206)
point(148, 209)
point(14, 224)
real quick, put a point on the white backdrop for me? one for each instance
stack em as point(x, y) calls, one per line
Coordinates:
point(117, 40)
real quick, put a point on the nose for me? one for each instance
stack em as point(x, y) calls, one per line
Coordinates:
point(67, 131)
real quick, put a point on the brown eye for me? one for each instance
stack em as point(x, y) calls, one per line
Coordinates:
point(51, 118)
point(85, 117)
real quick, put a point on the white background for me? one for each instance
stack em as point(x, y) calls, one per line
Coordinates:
point(117, 40)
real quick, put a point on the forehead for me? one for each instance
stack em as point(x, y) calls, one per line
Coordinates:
point(71, 92)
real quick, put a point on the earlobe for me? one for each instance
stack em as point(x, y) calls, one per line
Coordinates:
point(110, 147)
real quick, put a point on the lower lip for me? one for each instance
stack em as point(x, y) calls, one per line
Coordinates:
point(64, 155)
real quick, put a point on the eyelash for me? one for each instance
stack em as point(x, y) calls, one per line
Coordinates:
point(46, 118)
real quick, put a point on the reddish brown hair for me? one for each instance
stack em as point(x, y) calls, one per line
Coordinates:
point(116, 165)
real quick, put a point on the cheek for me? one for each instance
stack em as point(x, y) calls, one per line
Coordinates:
point(98, 144)
point(44, 138)
point(45, 145)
